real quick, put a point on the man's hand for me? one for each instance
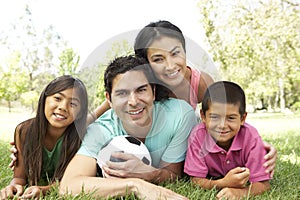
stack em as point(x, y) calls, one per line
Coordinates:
point(132, 167)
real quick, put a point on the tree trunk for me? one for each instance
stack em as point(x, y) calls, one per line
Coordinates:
point(281, 95)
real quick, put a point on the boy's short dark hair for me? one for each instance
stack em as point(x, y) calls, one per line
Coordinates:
point(224, 92)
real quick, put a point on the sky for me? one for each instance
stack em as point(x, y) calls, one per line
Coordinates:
point(88, 24)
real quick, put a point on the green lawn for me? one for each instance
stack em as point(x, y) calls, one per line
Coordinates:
point(282, 131)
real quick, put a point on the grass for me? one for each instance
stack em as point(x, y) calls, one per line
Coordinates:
point(282, 131)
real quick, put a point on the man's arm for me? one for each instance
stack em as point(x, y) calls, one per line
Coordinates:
point(80, 176)
point(135, 168)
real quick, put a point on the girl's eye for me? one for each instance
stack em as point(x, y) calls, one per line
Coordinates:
point(57, 98)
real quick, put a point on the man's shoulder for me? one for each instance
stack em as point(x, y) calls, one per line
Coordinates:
point(173, 104)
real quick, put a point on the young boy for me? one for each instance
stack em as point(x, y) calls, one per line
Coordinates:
point(224, 151)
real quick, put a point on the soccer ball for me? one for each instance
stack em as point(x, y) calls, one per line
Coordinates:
point(126, 144)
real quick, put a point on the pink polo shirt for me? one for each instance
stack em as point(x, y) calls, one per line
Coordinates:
point(205, 158)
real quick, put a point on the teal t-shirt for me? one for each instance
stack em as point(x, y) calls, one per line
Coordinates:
point(50, 162)
point(173, 120)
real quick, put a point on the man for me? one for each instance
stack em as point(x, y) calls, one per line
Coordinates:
point(140, 108)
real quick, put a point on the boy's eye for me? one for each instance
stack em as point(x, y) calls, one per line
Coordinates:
point(231, 118)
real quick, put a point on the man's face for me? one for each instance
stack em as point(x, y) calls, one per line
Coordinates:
point(132, 99)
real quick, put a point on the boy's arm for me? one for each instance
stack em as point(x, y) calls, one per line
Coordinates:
point(236, 178)
point(251, 190)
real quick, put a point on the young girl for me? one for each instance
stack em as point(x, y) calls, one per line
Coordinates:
point(48, 142)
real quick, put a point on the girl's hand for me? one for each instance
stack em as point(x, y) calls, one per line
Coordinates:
point(11, 190)
point(270, 158)
point(32, 192)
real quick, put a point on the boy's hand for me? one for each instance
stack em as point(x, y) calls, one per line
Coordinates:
point(236, 178)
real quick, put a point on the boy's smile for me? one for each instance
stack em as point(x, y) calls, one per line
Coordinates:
point(223, 122)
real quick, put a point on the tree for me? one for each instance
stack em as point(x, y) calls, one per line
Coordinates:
point(37, 49)
point(257, 45)
point(13, 81)
point(68, 62)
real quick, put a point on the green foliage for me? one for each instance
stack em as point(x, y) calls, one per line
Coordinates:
point(257, 44)
point(68, 62)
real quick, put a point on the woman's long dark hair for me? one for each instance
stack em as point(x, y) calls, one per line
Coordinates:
point(35, 131)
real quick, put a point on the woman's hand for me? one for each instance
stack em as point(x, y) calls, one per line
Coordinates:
point(13, 155)
point(270, 158)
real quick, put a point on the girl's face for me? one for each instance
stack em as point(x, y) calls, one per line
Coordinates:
point(168, 60)
point(62, 108)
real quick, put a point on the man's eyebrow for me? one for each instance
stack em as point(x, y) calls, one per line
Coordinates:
point(142, 86)
point(125, 90)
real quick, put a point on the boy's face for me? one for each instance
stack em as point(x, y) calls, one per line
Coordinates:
point(223, 122)
point(132, 99)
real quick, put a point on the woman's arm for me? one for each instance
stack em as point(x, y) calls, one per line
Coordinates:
point(205, 81)
point(270, 158)
point(98, 112)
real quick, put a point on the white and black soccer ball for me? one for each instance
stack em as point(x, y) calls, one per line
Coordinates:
point(126, 144)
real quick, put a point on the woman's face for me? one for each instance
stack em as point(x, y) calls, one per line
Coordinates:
point(168, 60)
